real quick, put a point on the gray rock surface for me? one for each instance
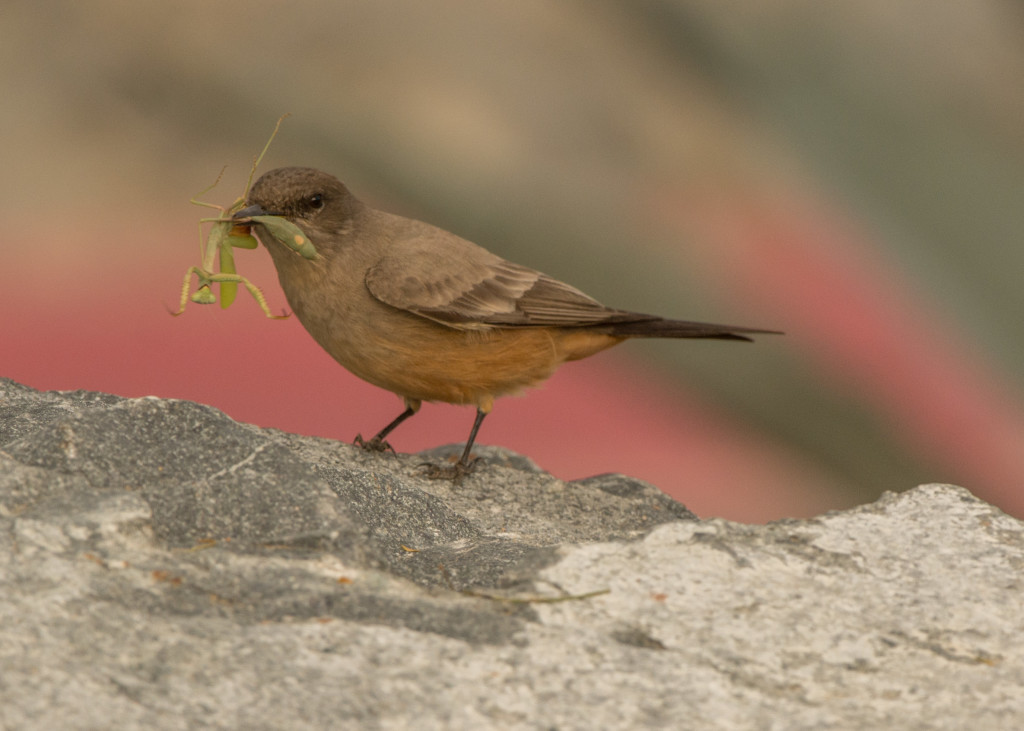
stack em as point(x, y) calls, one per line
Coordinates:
point(164, 567)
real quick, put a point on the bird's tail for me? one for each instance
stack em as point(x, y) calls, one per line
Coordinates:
point(661, 328)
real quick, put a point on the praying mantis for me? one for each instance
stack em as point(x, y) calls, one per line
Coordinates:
point(228, 233)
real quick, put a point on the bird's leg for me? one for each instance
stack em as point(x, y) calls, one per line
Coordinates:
point(464, 460)
point(464, 466)
point(377, 444)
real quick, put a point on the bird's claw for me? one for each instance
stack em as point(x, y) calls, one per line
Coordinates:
point(454, 472)
point(373, 445)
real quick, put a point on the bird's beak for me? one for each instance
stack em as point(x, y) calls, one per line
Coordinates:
point(249, 212)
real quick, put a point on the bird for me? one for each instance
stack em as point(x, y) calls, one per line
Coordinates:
point(428, 315)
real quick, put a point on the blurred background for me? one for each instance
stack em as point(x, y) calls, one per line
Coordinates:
point(850, 173)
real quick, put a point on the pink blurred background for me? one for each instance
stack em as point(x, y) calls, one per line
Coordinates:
point(853, 177)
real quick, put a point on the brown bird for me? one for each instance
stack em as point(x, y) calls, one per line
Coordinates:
point(430, 316)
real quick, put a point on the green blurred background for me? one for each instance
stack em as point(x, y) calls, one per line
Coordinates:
point(851, 173)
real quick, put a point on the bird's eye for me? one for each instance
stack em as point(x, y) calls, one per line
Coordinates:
point(316, 201)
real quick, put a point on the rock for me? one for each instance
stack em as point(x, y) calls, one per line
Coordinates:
point(163, 567)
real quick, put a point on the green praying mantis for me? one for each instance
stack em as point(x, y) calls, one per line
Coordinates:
point(228, 233)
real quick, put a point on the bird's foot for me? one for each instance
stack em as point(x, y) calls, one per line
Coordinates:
point(454, 472)
point(374, 445)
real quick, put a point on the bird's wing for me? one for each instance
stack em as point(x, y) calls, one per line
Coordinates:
point(457, 283)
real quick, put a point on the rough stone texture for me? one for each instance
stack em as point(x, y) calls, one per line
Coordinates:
point(164, 567)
